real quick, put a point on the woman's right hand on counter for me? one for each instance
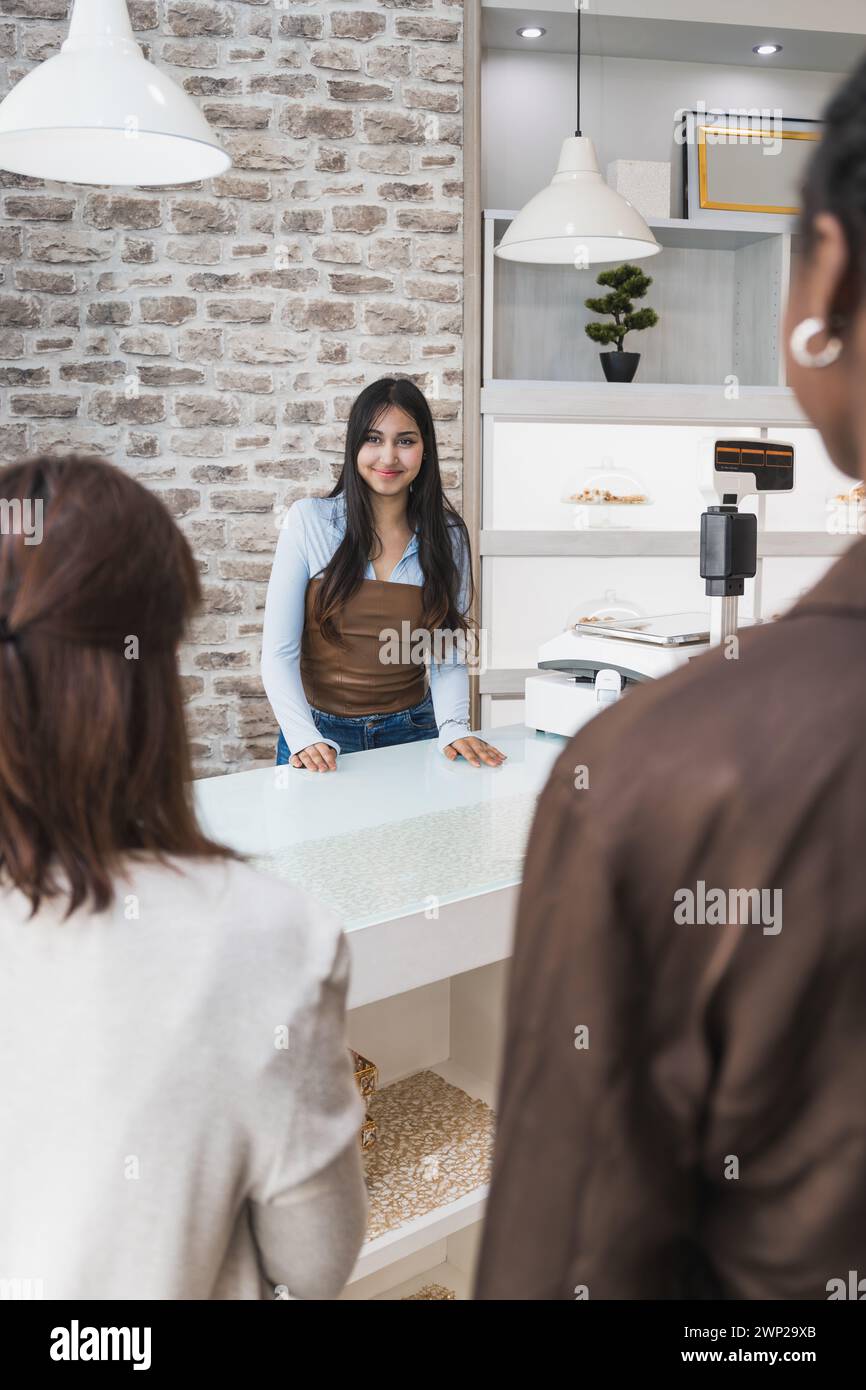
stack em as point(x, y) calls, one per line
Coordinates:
point(318, 757)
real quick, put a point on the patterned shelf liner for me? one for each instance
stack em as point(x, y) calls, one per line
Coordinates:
point(434, 1144)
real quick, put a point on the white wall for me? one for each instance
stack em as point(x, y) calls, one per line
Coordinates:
point(627, 106)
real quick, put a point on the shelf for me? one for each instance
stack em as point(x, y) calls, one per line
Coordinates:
point(649, 544)
point(713, 234)
point(417, 1234)
point(434, 1132)
point(506, 680)
point(708, 236)
point(637, 403)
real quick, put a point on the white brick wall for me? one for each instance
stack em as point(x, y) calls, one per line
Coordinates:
point(211, 338)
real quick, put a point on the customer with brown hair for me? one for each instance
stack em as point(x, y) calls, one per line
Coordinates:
point(683, 1112)
point(178, 1116)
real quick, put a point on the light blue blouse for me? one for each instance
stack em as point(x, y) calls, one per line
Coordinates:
point(312, 530)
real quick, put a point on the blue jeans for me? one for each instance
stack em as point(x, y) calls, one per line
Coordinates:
point(358, 732)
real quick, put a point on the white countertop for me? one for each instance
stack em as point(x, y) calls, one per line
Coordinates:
point(392, 832)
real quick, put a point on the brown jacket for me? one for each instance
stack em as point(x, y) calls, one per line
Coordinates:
point(710, 1140)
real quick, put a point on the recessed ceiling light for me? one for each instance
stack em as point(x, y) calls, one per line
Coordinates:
point(766, 50)
point(532, 32)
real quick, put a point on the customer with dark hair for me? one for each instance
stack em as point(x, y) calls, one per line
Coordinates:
point(683, 1111)
point(364, 582)
point(158, 1138)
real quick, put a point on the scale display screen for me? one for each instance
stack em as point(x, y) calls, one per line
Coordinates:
point(772, 463)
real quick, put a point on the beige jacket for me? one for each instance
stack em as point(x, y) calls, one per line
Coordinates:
point(178, 1117)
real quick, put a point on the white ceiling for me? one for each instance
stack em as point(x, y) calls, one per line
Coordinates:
point(832, 16)
point(671, 40)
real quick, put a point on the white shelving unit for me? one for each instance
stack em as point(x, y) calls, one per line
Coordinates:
point(712, 366)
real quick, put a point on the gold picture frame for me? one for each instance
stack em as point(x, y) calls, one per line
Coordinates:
point(729, 174)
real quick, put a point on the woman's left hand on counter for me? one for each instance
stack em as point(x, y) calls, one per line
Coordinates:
point(475, 751)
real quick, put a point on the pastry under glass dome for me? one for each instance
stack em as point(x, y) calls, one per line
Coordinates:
point(607, 609)
point(604, 496)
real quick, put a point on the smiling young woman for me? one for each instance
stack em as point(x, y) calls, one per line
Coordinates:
point(383, 553)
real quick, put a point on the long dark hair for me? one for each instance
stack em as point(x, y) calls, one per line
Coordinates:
point(94, 761)
point(428, 511)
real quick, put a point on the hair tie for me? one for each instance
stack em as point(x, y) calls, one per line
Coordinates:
point(6, 635)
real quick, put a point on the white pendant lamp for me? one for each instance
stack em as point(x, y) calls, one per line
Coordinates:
point(98, 112)
point(578, 219)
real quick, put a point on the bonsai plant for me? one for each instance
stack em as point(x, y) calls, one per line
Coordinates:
point(626, 283)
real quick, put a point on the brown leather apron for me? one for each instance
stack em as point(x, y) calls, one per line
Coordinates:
point(361, 677)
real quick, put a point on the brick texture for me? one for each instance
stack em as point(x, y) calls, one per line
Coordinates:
point(210, 338)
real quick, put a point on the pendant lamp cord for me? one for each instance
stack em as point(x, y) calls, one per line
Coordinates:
point(579, 13)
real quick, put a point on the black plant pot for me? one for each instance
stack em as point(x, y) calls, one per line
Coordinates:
point(619, 366)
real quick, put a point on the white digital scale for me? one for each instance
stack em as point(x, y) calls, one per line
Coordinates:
point(592, 664)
